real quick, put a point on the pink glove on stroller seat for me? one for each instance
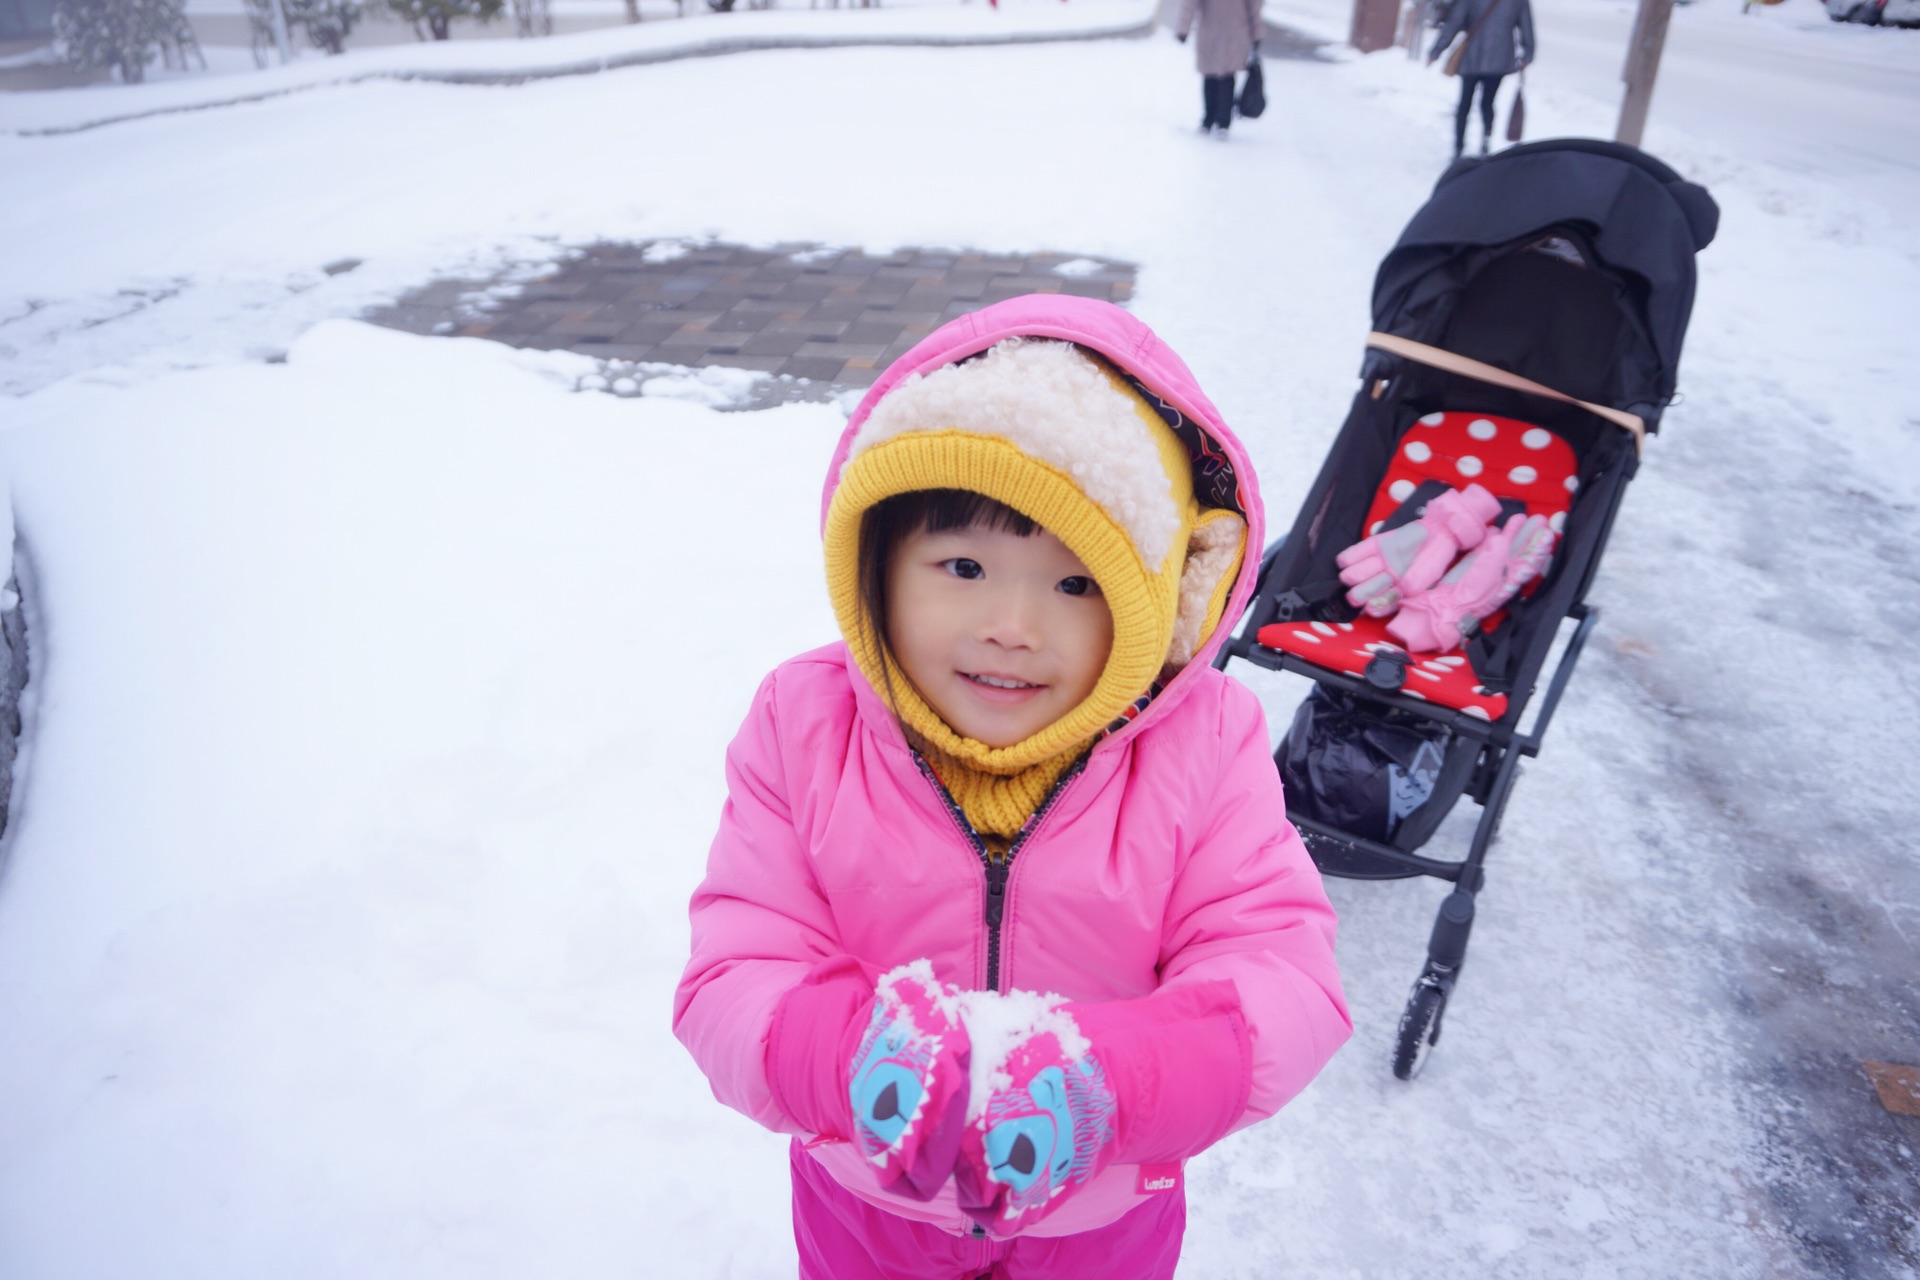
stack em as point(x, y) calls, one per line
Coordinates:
point(1442, 617)
point(1389, 567)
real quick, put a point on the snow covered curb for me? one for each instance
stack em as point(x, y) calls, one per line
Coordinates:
point(517, 62)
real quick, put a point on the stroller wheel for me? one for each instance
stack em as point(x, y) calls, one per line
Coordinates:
point(1419, 1027)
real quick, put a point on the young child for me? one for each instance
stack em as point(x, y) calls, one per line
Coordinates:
point(1017, 775)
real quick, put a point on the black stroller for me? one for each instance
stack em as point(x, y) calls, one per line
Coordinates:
point(1528, 327)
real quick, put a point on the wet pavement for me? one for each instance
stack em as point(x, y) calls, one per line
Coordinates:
point(813, 320)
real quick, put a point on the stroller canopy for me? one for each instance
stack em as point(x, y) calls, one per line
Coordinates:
point(1569, 262)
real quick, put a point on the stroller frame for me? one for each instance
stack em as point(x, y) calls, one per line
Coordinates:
point(1634, 225)
point(1500, 748)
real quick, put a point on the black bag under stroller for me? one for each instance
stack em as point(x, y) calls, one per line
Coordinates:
point(1528, 327)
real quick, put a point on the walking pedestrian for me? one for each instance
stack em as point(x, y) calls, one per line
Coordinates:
point(1018, 774)
point(1229, 39)
point(1499, 42)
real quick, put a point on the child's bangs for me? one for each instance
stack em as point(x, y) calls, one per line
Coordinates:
point(945, 510)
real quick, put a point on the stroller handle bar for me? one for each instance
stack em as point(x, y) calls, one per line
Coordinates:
point(1438, 358)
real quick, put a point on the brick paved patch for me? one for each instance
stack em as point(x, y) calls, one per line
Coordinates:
point(816, 320)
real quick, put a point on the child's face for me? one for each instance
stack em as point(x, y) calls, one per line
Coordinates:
point(1002, 635)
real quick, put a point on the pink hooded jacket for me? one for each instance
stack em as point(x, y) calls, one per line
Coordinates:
point(1167, 859)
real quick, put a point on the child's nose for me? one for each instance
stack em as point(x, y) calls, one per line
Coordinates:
point(1013, 619)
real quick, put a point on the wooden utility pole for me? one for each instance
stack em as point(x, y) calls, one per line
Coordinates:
point(1376, 23)
point(1643, 64)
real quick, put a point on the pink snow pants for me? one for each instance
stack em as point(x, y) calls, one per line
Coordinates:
point(842, 1237)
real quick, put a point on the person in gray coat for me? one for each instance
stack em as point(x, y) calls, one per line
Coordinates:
point(1499, 43)
point(1229, 39)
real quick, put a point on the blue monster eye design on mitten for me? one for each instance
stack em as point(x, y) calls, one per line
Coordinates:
point(889, 1081)
point(1028, 1145)
point(1050, 1128)
point(907, 1082)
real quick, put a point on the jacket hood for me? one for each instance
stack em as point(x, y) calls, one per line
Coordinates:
point(1222, 474)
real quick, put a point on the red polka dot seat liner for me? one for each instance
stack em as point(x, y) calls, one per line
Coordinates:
point(1508, 458)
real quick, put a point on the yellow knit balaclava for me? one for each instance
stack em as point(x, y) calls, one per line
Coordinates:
point(1053, 433)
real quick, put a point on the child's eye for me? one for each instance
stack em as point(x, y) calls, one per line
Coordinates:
point(1078, 586)
point(961, 567)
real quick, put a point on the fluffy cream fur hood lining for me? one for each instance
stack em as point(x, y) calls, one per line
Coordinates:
point(1055, 404)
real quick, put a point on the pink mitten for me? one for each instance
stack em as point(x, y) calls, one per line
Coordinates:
point(1060, 1091)
point(1442, 617)
point(1388, 567)
point(884, 1066)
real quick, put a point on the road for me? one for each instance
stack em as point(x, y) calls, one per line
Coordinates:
point(1830, 100)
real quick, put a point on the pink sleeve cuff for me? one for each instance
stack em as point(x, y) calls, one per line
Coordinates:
point(1180, 1063)
point(816, 1028)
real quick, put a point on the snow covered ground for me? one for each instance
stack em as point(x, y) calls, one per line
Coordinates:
point(382, 681)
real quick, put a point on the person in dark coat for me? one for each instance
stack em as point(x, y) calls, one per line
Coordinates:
point(1229, 38)
point(1499, 43)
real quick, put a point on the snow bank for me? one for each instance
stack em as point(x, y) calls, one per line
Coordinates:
point(377, 751)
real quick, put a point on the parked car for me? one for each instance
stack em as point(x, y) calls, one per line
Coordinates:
point(1892, 13)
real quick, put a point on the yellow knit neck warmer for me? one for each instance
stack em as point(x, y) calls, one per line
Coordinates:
point(997, 805)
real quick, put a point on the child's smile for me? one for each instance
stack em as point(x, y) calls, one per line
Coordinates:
point(1002, 635)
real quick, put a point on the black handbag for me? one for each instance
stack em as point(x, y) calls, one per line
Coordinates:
point(1253, 93)
point(1517, 113)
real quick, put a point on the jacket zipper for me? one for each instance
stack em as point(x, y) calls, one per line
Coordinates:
point(997, 872)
